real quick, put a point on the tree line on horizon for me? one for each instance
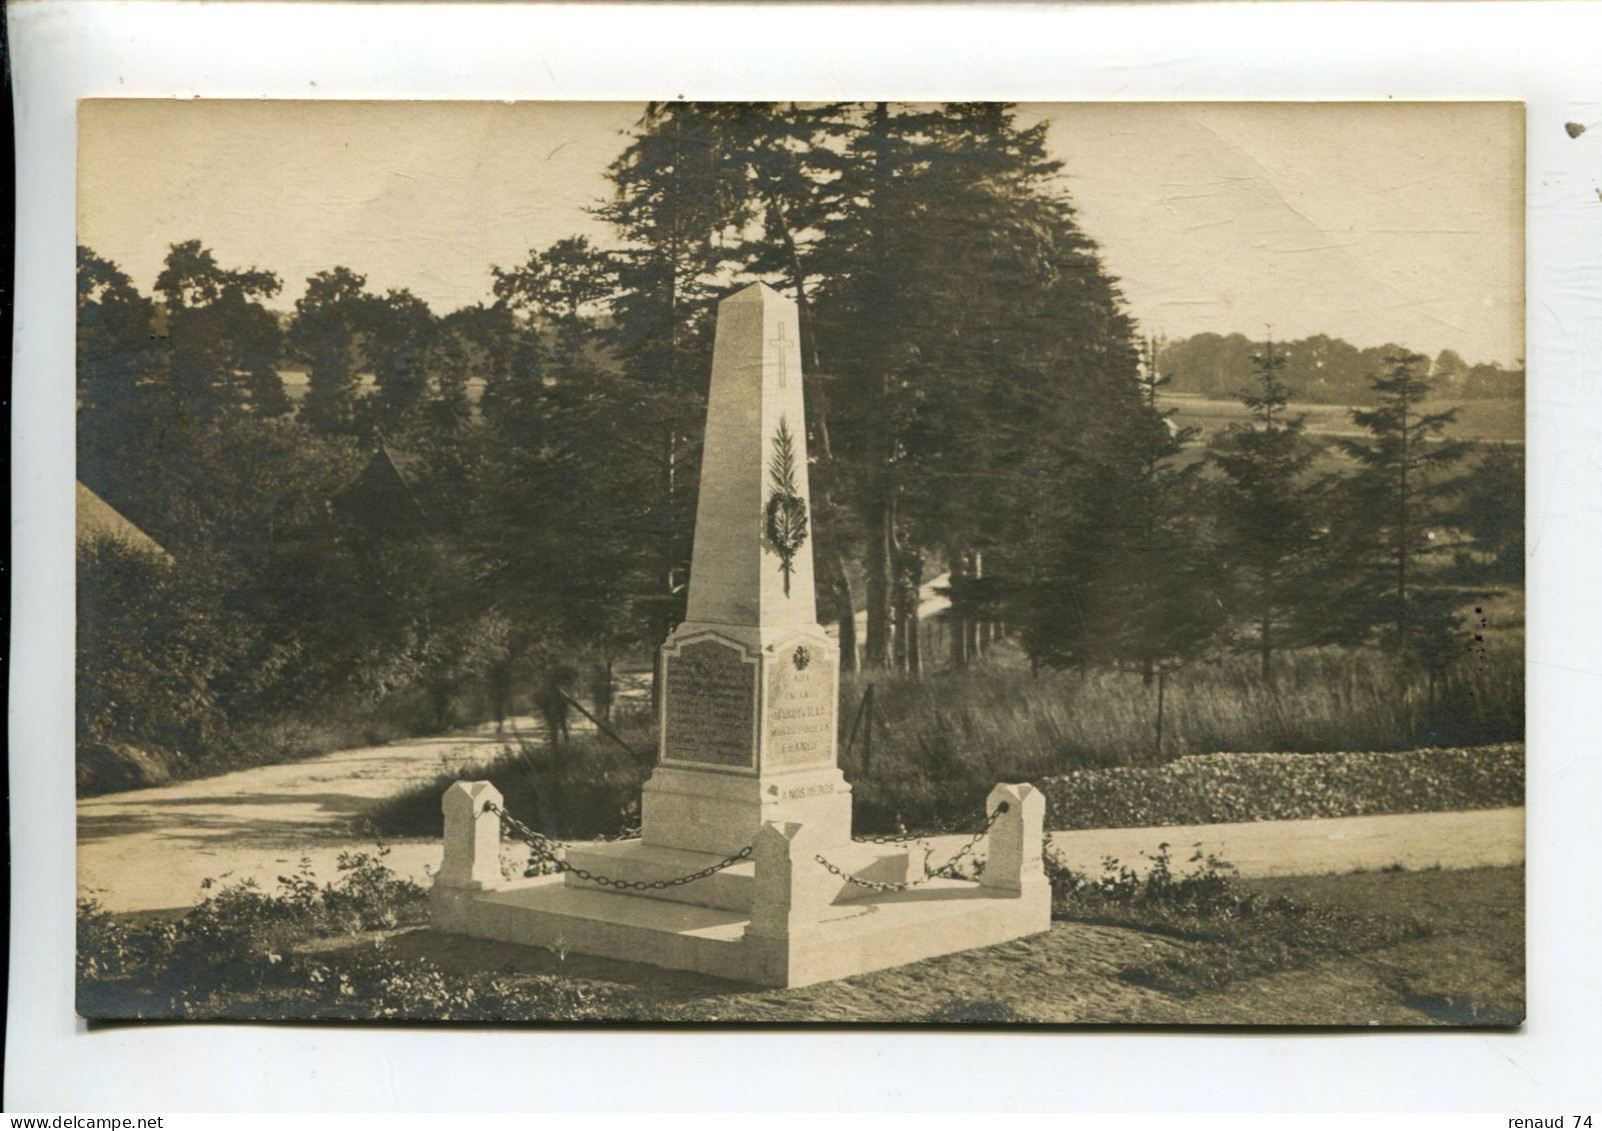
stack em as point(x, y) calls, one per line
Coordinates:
point(1320, 369)
point(976, 392)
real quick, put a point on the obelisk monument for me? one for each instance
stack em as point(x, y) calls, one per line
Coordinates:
point(750, 680)
point(745, 867)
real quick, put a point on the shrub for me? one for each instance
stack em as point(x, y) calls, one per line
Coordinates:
point(105, 948)
point(151, 637)
point(378, 984)
point(1205, 889)
point(239, 935)
point(247, 952)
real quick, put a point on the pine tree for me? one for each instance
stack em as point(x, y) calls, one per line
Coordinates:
point(1265, 508)
point(1121, 573)
point(1397, 492)
point(1492, 509)
point(955, 293)
point(678, 197)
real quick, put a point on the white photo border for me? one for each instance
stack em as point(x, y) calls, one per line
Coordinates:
point(1542, 54)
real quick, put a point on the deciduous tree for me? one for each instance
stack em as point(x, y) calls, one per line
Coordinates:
point(327, 336)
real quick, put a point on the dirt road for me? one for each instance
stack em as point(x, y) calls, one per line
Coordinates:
point(151, 848)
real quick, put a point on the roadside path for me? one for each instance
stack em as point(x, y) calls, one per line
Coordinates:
point(150, 849)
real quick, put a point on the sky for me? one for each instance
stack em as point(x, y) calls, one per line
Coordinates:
point(1373, 222)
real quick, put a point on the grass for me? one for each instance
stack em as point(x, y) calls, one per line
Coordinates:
point(1467, 964)
point(1238, 932)
point(946, 741)
point(588, 787)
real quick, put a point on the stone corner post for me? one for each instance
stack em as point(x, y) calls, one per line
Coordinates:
point(791, 888)
point(1016, 839)
point(472, 837)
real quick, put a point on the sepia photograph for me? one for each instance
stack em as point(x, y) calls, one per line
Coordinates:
point(970, 563)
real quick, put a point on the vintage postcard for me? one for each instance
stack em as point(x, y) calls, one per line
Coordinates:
point(787, 562)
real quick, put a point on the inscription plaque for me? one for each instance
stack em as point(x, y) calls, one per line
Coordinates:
point(709, 710)
point(801, 707)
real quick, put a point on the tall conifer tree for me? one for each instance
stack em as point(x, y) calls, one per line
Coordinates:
point(1399, 488)
point(1265, 506)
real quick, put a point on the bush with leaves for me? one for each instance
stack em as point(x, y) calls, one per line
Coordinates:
point(240, 933)
point(246, 952)
point(105, 947)
point(379, 984)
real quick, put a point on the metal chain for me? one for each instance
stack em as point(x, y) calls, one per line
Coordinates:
point(545, 848)
point(928, 874)
point(904, 839)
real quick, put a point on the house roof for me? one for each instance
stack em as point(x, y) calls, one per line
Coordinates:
point(99, 519)
point(382, 495)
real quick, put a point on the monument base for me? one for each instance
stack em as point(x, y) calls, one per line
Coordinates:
point(874, 933)
point(789, 915)
point(699, 811)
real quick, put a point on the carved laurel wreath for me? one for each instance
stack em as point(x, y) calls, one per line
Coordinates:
point(786, 519)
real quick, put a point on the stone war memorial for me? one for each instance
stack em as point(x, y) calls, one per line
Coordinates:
point(746, 867)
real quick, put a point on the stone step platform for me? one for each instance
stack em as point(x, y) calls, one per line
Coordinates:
point(729, 889)
point(873, 933)
point(546, 912)
point(786, 917)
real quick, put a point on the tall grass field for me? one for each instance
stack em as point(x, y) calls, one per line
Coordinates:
point(923, 754)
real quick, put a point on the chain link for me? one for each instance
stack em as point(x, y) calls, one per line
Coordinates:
point(945, 869)
point(544, 848)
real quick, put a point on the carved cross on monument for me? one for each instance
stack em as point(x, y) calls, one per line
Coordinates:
point(780, 347)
